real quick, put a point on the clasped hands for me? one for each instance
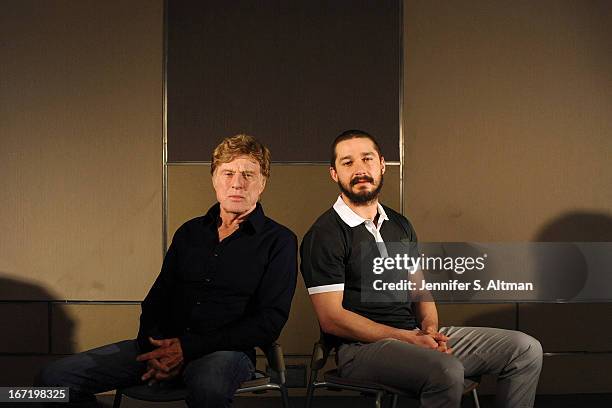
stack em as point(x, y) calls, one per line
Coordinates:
point(431, 338)
point(163, 363)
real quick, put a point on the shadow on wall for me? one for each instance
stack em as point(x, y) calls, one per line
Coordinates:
point(30, 326)
point(563, 269)
point(576, 226)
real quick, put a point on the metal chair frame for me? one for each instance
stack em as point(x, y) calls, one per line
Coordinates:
point(320, 355)
point(276, 361)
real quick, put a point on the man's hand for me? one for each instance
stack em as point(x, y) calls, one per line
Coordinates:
point(431, 340)
point(163, 363)
point(417, 337)
point(440, 339)
point(154, 375)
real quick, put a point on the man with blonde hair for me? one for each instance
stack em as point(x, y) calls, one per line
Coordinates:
point(226, 286)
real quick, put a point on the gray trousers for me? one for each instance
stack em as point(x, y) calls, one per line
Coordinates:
point(514, 357)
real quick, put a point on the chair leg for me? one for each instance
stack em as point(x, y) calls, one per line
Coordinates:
point(378, 403)
point(394, 399)
point(117, 400)
point(310, 388)
point(475, 396)
point(284, 396)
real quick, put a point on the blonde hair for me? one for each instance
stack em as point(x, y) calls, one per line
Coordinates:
point(241, 145)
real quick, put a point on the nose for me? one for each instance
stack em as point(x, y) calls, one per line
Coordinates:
point(360, 169)
point(238, 181)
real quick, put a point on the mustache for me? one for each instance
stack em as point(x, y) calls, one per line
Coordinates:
point(362, 179)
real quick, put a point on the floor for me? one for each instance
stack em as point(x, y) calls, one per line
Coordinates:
point(543, 401)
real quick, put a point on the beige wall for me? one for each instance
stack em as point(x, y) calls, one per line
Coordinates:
point(81, 97)
point(507, 120)
point(80, 160)
point(508, 137)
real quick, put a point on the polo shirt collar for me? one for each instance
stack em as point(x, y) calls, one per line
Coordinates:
point(351, 218)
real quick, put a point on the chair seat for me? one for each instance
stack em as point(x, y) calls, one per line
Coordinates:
point(164, 392)
point(260, 379)
point(158, 392)
point(332, 376)
point(470, 384)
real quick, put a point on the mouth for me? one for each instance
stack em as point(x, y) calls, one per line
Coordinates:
point(362, 180)
point(236, 197)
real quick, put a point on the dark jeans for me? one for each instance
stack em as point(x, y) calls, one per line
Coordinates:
point(211, 380)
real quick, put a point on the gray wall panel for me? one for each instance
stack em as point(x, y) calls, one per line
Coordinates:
point(294, 74)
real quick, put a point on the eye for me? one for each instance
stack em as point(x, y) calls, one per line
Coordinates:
point(367, 158)
point(347, 163)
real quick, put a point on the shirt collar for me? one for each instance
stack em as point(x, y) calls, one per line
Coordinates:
point(255, 219)
point(351, 218)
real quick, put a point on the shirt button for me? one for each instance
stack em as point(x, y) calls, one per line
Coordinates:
point(198, 303)
point(207, 280)
point(215, 254)
point(188, 329)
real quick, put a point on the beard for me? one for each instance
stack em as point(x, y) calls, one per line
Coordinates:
point(361, 197)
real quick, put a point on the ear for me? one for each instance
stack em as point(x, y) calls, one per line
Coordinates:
point(333, 174)
point(383, 166)
point(264, 180)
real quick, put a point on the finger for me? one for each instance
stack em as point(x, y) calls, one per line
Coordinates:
point(160, 342)
point(171, 363)
point(159, 366)
point(154, 342)
point(430, 343)
point(160, 376)
point(169, 358)
point(437, 337)
point(148, 374)
point(425, 334)
point(146, 356)
point(150, 355)
point(173, 373)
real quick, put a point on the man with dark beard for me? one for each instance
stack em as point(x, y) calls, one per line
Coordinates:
point(398, 343)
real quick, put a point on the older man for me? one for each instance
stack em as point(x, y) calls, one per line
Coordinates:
point(398, 343)
point(225, 286)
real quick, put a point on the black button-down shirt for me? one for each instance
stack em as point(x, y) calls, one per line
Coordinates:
point(228, 295)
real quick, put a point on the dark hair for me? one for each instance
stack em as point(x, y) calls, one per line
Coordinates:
point(351, 134)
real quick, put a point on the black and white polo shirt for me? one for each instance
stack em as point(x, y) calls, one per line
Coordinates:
point(331, 259)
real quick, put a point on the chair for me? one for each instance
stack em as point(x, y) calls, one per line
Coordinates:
point(332, 381)
point(260, 384)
